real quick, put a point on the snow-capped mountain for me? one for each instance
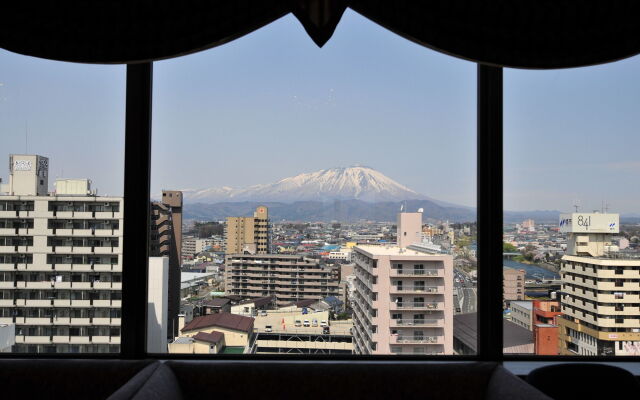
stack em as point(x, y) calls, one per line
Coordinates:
point(357, 182)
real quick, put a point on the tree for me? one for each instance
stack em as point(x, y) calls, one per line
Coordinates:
point(208, 229)
point(509, 248)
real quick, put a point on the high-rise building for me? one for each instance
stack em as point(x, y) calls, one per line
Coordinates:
point(289, 278)
point(249, 235)
point(166, 241)
point(600, 299)
point(404, 296)
point(60, 262)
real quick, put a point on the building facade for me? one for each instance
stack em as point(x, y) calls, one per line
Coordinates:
point(288, 278)
point(600, 299)
point(403, 300)
point(522, 314)
point(166, 241)
point(60, 263)
point(248, 234)
point(512, 284)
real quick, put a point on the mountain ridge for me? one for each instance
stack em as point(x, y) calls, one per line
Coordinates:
point(340, 183)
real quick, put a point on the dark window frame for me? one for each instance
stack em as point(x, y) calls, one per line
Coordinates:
point(139, 82)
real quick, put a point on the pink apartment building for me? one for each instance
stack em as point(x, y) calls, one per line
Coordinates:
point(403, 298)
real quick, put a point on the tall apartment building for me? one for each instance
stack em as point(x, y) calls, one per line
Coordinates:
point(512, 284)
point(248, 234)
point(600, 299)
point(289, 278)
point(403, 301)
point(60, 262)
point(166, 241)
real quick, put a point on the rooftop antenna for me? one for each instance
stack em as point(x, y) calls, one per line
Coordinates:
point(26, 137)
point(576, 204)
point(606, 208)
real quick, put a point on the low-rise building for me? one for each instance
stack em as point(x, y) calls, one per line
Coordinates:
point(237, 332)
point(517, 340)
point(522, 314)
point(250, 307)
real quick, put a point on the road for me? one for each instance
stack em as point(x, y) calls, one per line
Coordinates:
point(466, 291)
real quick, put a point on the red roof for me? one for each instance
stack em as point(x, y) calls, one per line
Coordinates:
point(223, 320)
point(213, 337)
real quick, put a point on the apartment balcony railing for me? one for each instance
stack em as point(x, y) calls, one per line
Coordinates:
point(417, 289)
point(414, 339)
point(416, 322)
point(406, 305)
point(415, 272)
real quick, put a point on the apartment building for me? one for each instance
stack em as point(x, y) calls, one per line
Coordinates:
point(60, 262)
point(248, 234)
point(600, 299)
point(403, 300)
point(166, 241)
point(289, 278)
point(192, 246)
point(512, 284)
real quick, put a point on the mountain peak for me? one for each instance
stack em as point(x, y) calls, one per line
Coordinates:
point(340, 183)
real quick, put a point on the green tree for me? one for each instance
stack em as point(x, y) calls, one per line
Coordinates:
point(509, 248)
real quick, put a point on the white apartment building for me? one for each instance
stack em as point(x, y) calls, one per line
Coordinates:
point(403, 296)
point(60, 262)
point(600, 290)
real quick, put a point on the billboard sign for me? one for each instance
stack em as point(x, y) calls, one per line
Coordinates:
point(589, 223)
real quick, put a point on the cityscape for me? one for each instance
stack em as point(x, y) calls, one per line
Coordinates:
point(337, 261)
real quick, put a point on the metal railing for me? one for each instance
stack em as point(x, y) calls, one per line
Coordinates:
point(416, 339)
point(421, 272)
point(422, 289)
point(417, 322)
point(409, 305)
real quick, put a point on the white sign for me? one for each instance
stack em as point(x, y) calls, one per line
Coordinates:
point(589, 223)
point(22, 165)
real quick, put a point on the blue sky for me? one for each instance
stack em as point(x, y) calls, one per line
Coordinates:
point(367, 97)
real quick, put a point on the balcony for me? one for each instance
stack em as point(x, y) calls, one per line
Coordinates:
point(408, 305)
point(418, 289)
point(417, 272)
point(417, 322)
point(37, 321)
point(408, 339)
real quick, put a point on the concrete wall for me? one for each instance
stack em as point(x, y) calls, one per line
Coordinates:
point(158, 304)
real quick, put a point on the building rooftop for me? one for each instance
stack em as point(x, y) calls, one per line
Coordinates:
point(217, 302)
point(189, 276)
point(213, 337)
point(258, 301)
point(522, 304)
point(393, 250)
point(222, 320)
point(465, 329)
point(183, 340)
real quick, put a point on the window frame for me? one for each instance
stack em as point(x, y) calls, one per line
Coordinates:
point(136, 238)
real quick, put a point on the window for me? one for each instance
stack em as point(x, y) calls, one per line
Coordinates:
point(553, 127)
point(528, 113)
point(62, 141)
point(316, 137)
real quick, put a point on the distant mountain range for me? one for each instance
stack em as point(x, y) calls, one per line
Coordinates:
point(341, 194)
point(336, 210)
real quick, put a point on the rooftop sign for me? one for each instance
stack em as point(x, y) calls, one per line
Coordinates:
point(589, 223)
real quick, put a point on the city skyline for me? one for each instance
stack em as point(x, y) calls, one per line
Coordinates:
point(347, 96)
